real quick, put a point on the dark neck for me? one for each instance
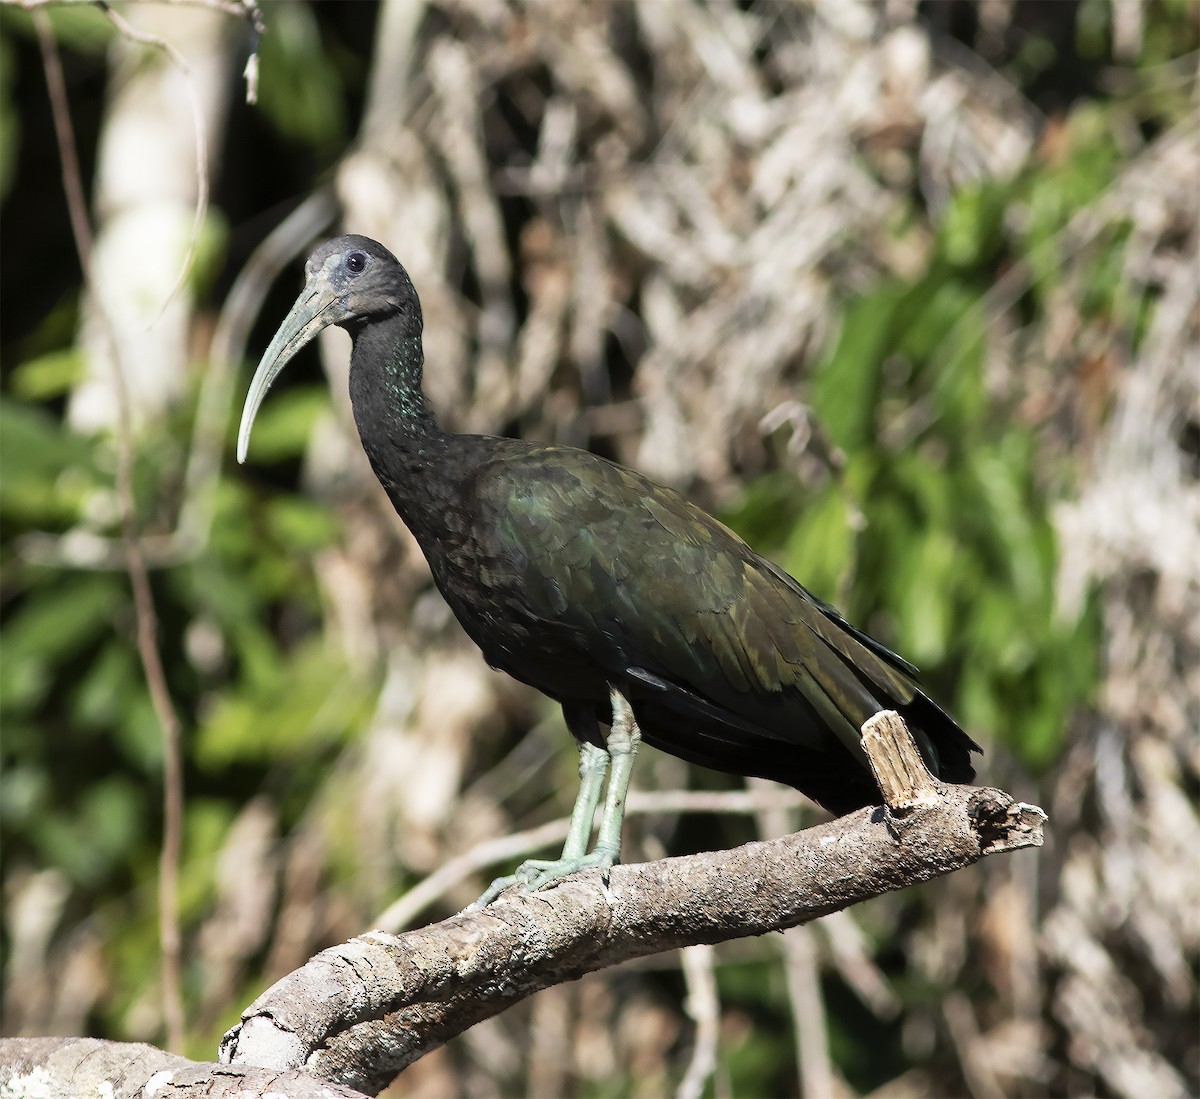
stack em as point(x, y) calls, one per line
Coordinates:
point(409, 452)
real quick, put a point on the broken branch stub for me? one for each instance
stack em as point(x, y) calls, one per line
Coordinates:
point(908, 787)
point(903, 779)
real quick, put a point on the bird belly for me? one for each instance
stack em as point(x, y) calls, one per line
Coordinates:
point(546, 655)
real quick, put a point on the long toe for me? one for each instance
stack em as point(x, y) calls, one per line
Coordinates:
point(530, 874)
point(555, 872)
point(498, 886)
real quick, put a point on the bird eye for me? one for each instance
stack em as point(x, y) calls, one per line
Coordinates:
point(356, 262)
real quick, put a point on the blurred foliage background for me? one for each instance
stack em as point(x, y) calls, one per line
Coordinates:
point(908, 292)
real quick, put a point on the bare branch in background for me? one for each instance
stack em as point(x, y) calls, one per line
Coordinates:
point(281, 246)
point(154, 41)
point(704, 1008)
point(462, 868)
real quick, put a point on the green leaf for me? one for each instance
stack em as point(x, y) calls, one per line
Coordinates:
point(206, 828)
point(24, 792)
point(932, 317)
point(300, 524)
point(285, 422)
point(23, 683)
point(821, 545)
point(927, 594)
point(765, 514)
point(995, 480)
point(50, 375)
point(300, 90)
point(138, 734)
point(845, 389)
point(47, 469)
point(10, 119)
point(78, 27)
point(64, 619)
point(100, 698)
point(970, 231)
point(309, 701)
point(211, 246)
point(99, 833)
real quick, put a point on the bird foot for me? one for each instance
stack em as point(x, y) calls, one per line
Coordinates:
point(536, 874)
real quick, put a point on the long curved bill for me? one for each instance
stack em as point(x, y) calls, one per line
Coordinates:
point(316, 308)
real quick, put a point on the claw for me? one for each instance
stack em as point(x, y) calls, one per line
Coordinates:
point(536, 874)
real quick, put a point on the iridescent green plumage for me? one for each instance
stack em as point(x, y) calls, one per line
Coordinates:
point(600, 587)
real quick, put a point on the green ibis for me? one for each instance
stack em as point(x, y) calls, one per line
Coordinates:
point(609, 593)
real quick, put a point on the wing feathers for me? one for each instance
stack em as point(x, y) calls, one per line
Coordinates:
point(662, 594)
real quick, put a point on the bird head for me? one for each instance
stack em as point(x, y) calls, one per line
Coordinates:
point(349, 281)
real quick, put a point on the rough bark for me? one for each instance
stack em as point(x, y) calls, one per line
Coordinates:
point(49, 1068)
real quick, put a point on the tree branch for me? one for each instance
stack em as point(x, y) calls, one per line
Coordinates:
point(359, 1013)
point(62, 1068)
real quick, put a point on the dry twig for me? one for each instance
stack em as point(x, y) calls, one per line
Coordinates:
point(704, 1008)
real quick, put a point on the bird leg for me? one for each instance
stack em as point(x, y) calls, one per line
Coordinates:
point(593, 766)
point(623, 740)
